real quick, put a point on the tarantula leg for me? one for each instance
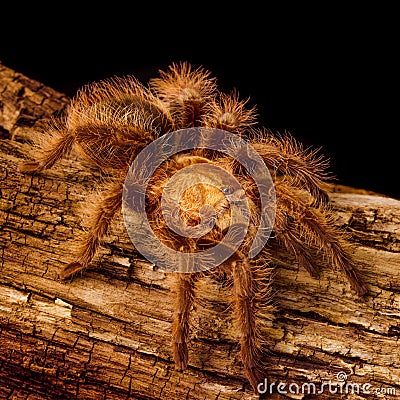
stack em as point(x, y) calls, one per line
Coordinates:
point(187, 91)
point(52, 150)
point(229, 113)
point(180, 331)
point(317, 226)
point(100, 219)
point(288, 234)
point(247, 297)
point(328, 238)
point(284, 156)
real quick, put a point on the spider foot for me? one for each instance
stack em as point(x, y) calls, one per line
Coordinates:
point(181, 356)
point(255, 376)
point(31, 166)
point(70, 270)
point(360, 288)
point(311, 269)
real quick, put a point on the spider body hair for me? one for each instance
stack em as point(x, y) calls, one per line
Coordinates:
point(111, 121)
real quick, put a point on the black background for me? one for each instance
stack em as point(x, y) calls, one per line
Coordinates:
point(329, 77)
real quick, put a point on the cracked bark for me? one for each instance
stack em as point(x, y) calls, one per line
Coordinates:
point(106, 334)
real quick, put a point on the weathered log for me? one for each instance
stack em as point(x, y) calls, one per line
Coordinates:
point(107, 333)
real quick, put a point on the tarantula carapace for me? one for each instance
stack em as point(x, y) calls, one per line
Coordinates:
point(111, 121)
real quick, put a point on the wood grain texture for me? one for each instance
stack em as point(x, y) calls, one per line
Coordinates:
point(107, 334)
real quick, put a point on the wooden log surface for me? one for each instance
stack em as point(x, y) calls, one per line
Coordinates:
point(106, 334)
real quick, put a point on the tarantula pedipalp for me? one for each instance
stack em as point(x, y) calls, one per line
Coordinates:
point(110, 122)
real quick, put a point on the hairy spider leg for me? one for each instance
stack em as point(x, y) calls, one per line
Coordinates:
point(316, 226)
point(248, 294)
point(57, 146)
point(185, 284)
point(101, 216)
point(287, 233)
point(285, 156)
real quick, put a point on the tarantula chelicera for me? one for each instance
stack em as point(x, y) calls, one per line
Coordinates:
point(110, 122)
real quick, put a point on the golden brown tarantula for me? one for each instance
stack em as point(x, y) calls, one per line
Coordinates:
point(112, 121)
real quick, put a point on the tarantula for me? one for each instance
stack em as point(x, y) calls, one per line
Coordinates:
point(109, 122)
